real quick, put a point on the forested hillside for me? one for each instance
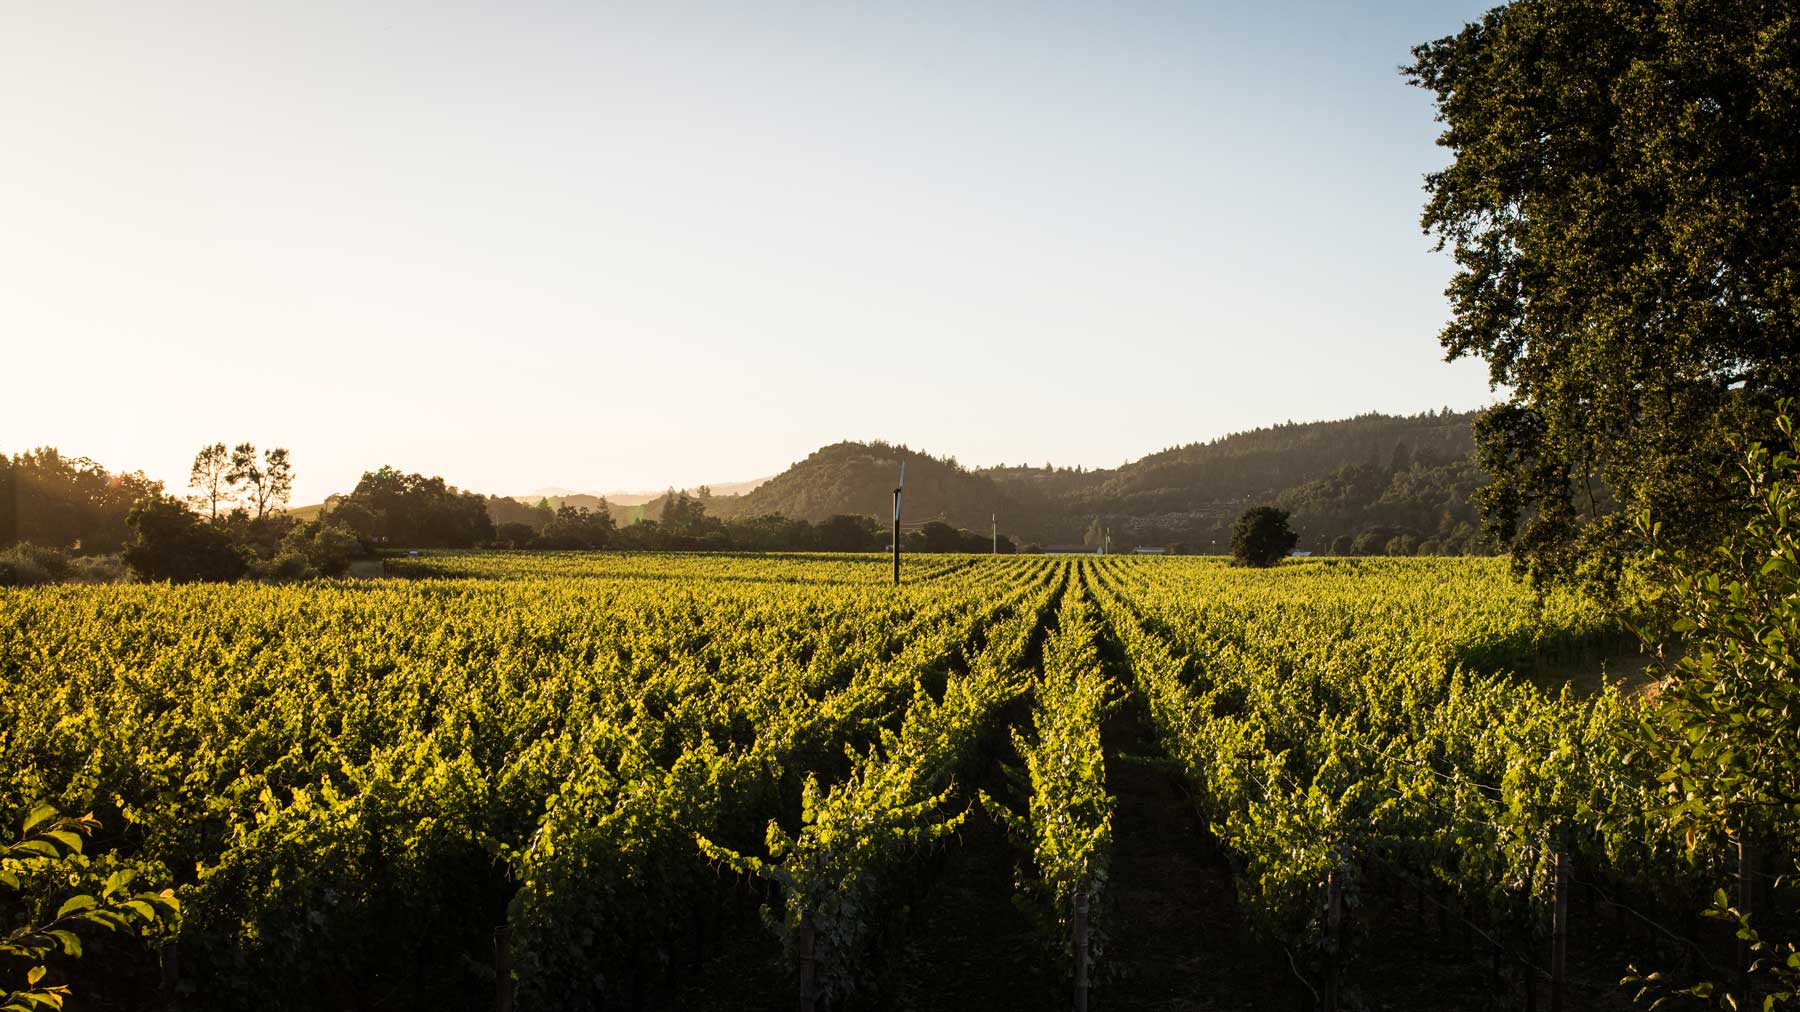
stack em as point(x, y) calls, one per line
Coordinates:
point(1383, 483)
point(858, 478)
point(1370, 485)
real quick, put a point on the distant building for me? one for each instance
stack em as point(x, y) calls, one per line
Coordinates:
point(1299, 555)
point(1149, 551)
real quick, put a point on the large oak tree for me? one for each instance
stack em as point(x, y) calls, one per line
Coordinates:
point(1624, 211)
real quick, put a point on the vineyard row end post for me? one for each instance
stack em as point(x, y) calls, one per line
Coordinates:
point(1746, 897)
point(808, 965)
point(1334, 916)
point(1081, 947)
point(1559, 931)
point(503, 970)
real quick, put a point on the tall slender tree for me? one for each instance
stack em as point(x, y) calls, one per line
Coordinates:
point(267, 482)
point(213, 479)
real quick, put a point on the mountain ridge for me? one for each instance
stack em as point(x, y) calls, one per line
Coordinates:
point(1399, 483)
point(1394, 476)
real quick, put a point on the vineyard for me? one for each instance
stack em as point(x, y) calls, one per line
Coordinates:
point(585, 781)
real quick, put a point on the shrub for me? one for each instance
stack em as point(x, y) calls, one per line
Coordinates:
point(283, 568)
point(98, 569)
point(27, 565)
point(1725, 735)
point(513, 535)
point(313, 548)
point(170, 542)
point(45, 861)
point(326, 547)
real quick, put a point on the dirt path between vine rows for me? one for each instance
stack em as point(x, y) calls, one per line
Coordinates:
point(1177, 941)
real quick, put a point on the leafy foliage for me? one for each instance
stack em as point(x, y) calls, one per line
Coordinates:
point(49, 851)
point(588, 747)
point(400, 510)
point(365, 780)
point(170, 542)
point(1726, 735)
point(572, 527)
point(67, 503)
point(1068, 823)
point(859, 837)
point(1357, 717)
point(1262, 537)
point(1621, 210)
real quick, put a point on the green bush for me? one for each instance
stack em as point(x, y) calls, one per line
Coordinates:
point(326, 547)
point(1725, 734)
point(283, 568)
point(311, 549)
point(45, 870)
point(170, 542)
point(27, 565)
point(98, 569)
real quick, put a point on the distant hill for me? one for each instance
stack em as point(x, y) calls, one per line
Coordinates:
point(1194, 491)
point(1398, 482)
point(558, 497)
point(1396, 475)
point(858, 478)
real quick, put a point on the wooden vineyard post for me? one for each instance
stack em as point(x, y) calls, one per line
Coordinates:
point(1559, 932)
point(808, 966)
point(1746, 896)
point(1334, 916)
point(170, 960)
point(1081, 948)
point(503, 970)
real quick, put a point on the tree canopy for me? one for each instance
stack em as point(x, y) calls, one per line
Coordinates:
point(1624, 210)
point(412, 511)
point(574, 527)
point(64, 502)
point(171, 542)
point(1262, 537)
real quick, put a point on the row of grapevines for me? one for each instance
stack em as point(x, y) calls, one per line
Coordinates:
point(866, 570)
point(615, 852)
point(859, 837)
point(1334, 722)
point(1069, 813)
point(346, 780)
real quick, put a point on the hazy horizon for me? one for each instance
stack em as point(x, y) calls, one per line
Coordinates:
point(176, 483)
point(611, 249)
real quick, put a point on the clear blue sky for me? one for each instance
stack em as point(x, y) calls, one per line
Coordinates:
point(626, 246)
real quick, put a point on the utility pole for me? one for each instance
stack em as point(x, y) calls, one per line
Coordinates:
point(994, 519)
point(897, 489)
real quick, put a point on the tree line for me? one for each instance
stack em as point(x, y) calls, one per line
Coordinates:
point(683, 523)
point(69, 518)
point(64, 518)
